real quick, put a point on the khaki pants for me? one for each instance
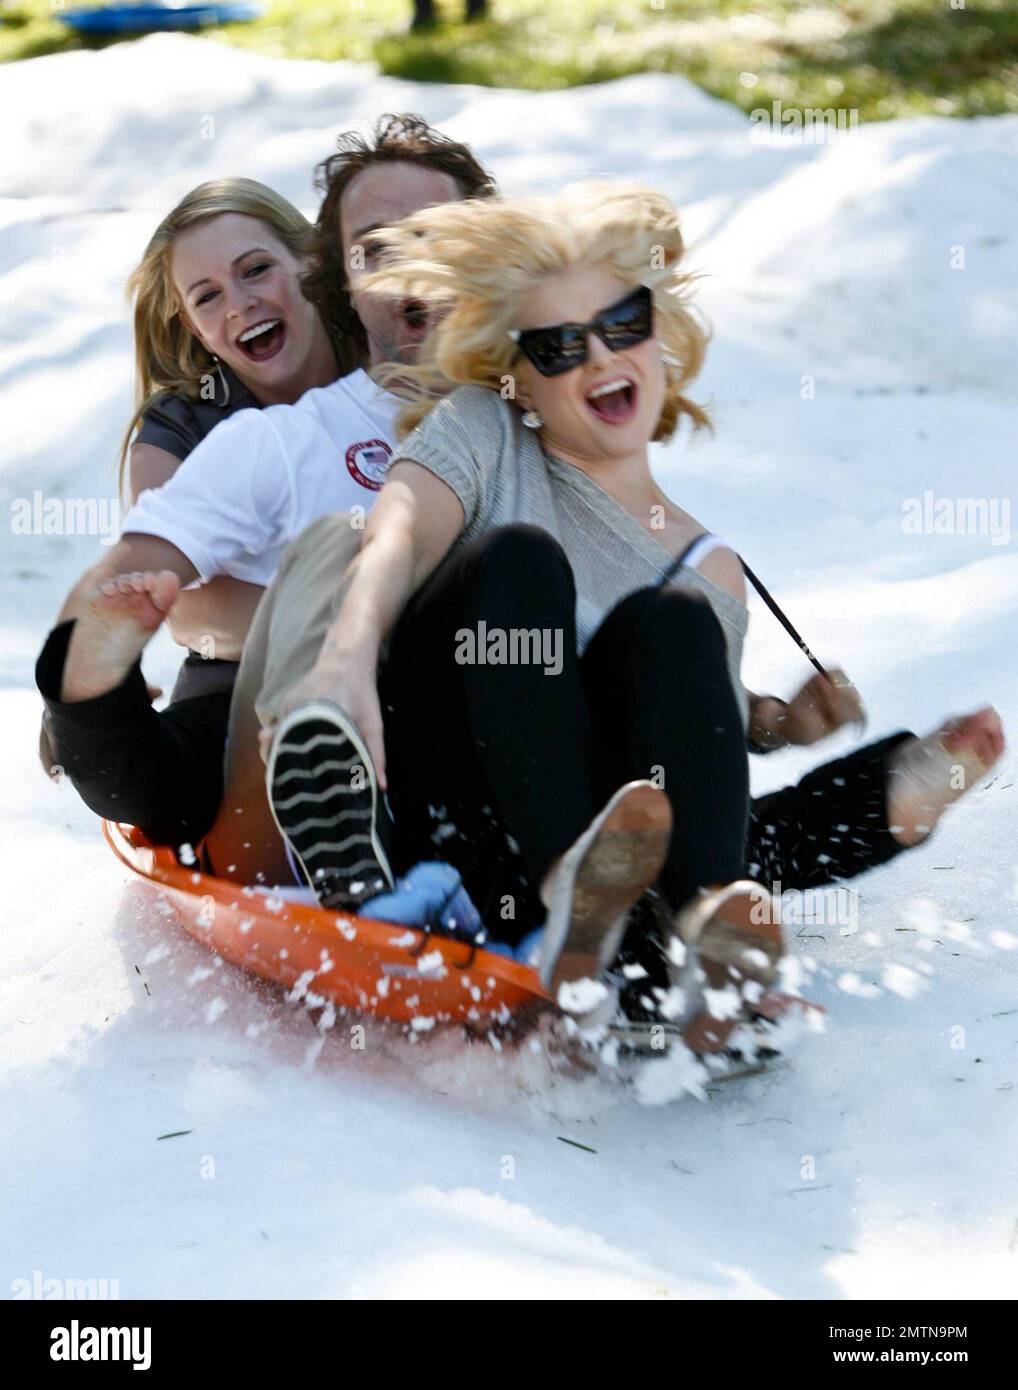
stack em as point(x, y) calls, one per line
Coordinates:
point(286, 636)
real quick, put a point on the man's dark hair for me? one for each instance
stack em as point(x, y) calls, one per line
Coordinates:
point(405, 139)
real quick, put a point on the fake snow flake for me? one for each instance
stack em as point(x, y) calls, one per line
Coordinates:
point(581, 996)
point(432, 964)
point(722, 1003)
point(215, 1010)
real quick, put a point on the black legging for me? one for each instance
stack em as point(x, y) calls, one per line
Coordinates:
point(159, 770)
point(498, 768)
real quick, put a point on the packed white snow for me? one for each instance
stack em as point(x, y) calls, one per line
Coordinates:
point(172, 1124)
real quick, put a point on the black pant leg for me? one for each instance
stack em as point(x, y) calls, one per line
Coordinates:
point(159, 770)
point(831, 825)
point(663, 707)
point(488, 760)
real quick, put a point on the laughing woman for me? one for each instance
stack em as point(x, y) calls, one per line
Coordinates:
point(220, 325)
point(603, 760)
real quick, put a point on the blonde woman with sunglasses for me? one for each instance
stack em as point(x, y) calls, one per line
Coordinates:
point(538, 652)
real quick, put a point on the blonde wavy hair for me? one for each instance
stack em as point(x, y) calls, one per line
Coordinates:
point(167, 355)
point(475, 260)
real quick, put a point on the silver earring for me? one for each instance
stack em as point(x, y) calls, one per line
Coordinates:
point(532, 420)
point(670, 360)
point(222, 378)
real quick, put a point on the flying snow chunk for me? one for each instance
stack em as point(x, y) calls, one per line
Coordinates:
point(669, 1078)
point(672, 1005)
point(581, 996)
point(677, 951)
point(723, 1003)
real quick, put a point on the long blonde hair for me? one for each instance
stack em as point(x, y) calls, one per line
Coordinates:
point(167, 355)
point(475, 261)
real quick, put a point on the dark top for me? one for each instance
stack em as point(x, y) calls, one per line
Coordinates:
point(178, 424)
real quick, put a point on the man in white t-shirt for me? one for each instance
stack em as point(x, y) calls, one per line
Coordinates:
point(261, 477)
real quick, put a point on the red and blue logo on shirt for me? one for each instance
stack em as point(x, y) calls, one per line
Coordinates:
point(368, 463)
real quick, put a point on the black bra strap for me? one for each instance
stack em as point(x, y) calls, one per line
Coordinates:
point(680, 560)
point(772, 605)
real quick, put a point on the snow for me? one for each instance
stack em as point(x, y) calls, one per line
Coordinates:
point(864, 297)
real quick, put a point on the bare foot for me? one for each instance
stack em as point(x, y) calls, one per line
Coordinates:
point(926, 775)
point(112, 631)
point(737, 935)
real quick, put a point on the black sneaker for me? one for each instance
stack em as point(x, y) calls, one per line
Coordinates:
point(325, 798)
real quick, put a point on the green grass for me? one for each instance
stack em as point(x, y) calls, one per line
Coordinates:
point(881, 58)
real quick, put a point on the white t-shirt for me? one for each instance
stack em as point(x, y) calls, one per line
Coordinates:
point(263, 476)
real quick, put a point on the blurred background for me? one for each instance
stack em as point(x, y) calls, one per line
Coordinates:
point(878, 58)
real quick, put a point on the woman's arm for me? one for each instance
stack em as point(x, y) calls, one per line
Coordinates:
point(150, 466)
point(409, 532)
point(215, 618)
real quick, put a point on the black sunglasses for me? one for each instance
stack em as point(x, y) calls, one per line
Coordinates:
point(564, 346)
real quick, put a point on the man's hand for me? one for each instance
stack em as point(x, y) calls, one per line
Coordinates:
point(824, 705)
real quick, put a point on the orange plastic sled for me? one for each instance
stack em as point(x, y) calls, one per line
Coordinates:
point(396, 972)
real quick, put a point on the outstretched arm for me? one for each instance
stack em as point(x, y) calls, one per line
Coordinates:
point(410, 530)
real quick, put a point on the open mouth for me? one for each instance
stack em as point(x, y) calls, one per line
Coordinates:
point(262, 340)
point(415, 317)
point(613, 401)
